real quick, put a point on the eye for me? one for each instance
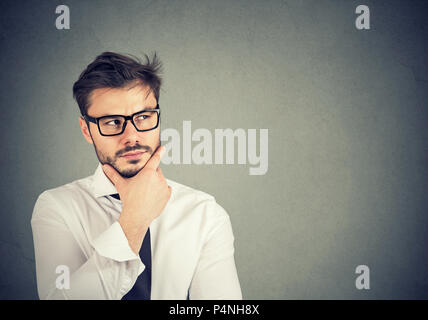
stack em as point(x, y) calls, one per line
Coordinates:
point(113, 122)
point(142, 117)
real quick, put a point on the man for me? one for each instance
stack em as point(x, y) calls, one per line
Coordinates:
point(127, 232)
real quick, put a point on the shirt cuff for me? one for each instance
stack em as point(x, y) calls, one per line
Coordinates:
point(113, 244)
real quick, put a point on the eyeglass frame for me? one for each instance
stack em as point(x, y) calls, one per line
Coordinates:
point(131, 118)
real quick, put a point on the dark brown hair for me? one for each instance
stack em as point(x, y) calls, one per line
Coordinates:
point(114, 70)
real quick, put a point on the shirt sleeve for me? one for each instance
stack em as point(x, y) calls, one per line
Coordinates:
point(65, 271)
point(216, 275)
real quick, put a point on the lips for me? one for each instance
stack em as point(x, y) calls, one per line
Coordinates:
point(131, 155)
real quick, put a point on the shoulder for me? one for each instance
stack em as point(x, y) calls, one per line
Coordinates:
point(183, 191)
point(189, 195)
point(195, 201)
point(53, 201)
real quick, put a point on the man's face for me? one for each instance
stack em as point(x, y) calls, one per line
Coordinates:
point(111, 149)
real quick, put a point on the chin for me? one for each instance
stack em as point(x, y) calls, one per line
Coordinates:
point(128, 173)
point(131, 170)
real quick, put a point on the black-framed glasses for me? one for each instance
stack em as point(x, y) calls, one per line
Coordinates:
point(113, 125)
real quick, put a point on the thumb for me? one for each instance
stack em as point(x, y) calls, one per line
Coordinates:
point(112, 174)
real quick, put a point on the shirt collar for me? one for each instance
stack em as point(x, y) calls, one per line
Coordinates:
point(101, 185)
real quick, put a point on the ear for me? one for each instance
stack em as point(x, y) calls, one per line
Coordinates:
point(85, 130)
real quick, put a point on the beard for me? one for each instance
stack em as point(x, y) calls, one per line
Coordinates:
point(112, 160)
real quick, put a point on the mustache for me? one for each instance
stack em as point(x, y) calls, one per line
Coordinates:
point(135, 148)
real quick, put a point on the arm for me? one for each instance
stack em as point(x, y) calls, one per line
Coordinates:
point(108, 273)
point(216, 276)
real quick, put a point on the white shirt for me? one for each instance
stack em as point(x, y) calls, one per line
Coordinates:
point(76, 226)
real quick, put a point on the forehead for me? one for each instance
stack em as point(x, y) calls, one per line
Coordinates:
point(124, 101)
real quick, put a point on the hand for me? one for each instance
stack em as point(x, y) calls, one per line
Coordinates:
point(143, 196)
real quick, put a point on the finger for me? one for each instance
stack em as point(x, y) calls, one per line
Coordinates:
point(154, 160)
point(112, 174)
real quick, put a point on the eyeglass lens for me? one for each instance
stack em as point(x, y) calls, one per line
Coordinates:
point(114, 124)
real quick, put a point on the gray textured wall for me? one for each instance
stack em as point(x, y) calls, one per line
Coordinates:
point(345, 109)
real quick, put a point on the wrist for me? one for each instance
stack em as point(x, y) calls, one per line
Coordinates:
point(134, 231)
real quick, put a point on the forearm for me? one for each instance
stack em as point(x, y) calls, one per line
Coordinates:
point(108, 272)
point(97, 279)
point(134, 228)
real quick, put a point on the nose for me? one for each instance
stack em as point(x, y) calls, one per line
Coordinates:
point(130, 135)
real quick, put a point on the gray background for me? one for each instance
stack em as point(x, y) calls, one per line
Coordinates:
point(345, 109)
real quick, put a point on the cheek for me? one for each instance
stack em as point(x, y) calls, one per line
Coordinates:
point(105, 147)
point(152, 138)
